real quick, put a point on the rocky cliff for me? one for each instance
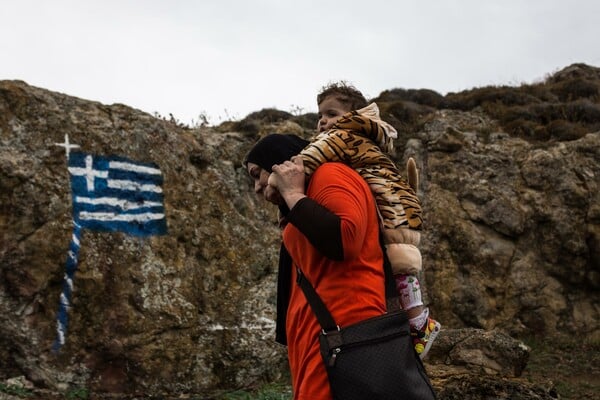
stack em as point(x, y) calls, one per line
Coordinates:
point(189, 310)
point(511, 241)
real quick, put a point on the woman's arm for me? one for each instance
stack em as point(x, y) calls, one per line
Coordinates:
point(333, 218)
point(321, 227)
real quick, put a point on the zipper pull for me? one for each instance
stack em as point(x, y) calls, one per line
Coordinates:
point(335, 352)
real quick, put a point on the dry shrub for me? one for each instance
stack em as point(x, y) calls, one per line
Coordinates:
point(424, 97)
point(526, 129)
point(508, 114)
point(583, 111)
point(307, 121)
point(251, 125)
point(575, 71)
point(560, 121)
point(541, 92)
point(269, 115)
point(548, 112)
point(575, 89)
point(405, 116)
point(505, 95)
point(564, 130)
point(563, 107)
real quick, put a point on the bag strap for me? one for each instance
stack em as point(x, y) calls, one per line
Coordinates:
point(320, 310)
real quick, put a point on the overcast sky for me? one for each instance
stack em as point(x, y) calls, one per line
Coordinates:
point(227, 58)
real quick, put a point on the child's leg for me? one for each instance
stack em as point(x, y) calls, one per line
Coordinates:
point(424, 329)
point(409, 290)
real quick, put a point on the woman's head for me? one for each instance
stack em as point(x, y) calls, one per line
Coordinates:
point(268, 151)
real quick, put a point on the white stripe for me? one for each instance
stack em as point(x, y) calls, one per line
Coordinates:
point(73, 256)
point(63, 300)
point(60, 332)
point(77, 171)
point(107, 217)
point(116, 202)
point(75, 240)
point(133, 167)
point(69, 282)
point(131, 185)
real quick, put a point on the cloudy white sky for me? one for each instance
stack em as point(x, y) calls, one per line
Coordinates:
point(227, 58)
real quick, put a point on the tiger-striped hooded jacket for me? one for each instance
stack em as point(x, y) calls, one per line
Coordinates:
point(357, 141)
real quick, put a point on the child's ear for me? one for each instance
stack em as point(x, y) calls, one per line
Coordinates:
point(413, 174)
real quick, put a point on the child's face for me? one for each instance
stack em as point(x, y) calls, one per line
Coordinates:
point(330, 110)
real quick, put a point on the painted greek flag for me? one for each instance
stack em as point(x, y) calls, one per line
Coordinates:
point(109, 194)
point(116, 194)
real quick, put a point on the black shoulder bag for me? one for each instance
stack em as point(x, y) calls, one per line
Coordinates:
point(373, 359)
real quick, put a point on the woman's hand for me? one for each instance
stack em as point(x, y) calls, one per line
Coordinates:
point(289, 180)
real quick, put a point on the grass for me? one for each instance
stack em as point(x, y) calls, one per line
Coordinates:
point(77, 394)
point(24, 393)
point(267, 392)
point(15, 390)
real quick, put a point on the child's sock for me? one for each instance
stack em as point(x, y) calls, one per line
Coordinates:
point(418, 322)
point(410, 291)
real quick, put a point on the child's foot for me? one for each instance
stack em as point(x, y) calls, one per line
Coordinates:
point(423, 339)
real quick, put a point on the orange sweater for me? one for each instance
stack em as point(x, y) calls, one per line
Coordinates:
point(352, 289)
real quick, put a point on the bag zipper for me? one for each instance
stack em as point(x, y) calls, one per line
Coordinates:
point(337, 350)
point(334, 354)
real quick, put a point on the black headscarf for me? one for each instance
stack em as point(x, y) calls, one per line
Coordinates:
point(268, 151)
point(274, 149)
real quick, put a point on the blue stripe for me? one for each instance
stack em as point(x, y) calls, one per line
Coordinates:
point(77, 159)
point(102, 161)
point(156, 227)
point(135, 176)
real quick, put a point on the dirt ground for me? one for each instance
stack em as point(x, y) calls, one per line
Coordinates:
point(569, 365)
point(569, 368)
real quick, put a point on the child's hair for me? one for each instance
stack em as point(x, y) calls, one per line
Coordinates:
point(345, 93)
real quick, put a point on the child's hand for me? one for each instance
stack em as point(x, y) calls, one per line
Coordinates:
point(289, 180)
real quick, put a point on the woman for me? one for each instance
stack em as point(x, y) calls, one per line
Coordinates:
point(331, 232)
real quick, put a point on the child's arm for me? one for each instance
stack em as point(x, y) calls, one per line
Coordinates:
point(328, 146)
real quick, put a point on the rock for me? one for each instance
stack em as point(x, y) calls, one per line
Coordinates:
point(475, 364)
point(511, 244)
point(478, 352)
point(508, 241)
point(188, 311)
point(477, 387)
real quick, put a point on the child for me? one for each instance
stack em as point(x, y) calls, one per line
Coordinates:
point(350, 131)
